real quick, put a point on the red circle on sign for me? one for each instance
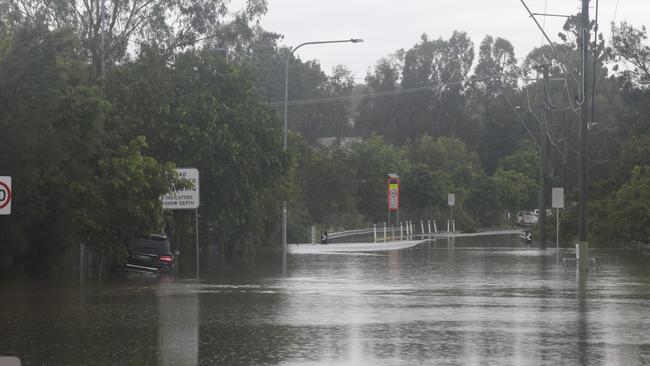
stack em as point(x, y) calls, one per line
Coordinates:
point(5, 187)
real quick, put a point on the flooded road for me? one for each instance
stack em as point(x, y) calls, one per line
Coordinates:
point(475, 301)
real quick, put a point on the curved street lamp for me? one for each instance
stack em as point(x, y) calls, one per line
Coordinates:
point(284, 135)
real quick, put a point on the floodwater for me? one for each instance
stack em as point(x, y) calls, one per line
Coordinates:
point(477, 301)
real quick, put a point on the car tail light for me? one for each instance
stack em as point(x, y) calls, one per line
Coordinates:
point(165, 258)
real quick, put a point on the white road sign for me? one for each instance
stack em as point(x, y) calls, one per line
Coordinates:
point(451, 199)
point(5, 195)
point(184, 199)
point(558, 198)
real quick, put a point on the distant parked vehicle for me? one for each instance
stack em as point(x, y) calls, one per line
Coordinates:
point(151, 255)
point(527, 218)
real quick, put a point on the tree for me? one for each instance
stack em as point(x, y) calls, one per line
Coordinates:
point(381, 115)
point(52, 133)
point(515, 190)
point(329, 188)
point(624, 216)
point(432, 72)
point(205, 114)
point(628, 46)
point(121, 201)
point(108, 28)
point(371, 160)
point(495, 75)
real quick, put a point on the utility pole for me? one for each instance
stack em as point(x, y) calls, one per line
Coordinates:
point(541, 223)
point(583, 228)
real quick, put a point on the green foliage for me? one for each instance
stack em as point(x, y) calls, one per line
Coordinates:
point(424, 191)
point(524, 160)
point(51, 134)
point(628, 47)
point(515, 190)
point(624, 216)
point(372, 160)
point(120, 202)
point(90, 151)
point(438, 110)
point(204, 114)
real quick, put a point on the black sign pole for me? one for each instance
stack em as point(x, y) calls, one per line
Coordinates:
point(196, 231)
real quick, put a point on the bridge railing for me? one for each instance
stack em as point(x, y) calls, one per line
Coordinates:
point(406, 230)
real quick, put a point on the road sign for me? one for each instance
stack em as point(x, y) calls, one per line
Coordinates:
point(558, 198)
point(5, 195)
point(393, 194)
point(451, 199)
point(186, 198)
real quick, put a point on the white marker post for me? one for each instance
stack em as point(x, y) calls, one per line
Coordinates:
point(451, 201)
point(374, 232)
point(557, 203)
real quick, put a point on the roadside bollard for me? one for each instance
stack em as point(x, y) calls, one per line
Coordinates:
point(422, 229)
point(374, 232)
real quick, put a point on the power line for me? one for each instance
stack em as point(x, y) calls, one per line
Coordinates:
point(544, 22)
point(521, 120)
point(550, 43)
point(378, 94)
point(615, 11)
point(593, 82)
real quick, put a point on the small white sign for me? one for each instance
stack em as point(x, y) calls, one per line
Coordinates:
point(5, 195)
point(558, 198)
point(451, 199)
point(187, 198)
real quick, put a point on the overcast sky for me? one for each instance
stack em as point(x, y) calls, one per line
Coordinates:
point(390, 25)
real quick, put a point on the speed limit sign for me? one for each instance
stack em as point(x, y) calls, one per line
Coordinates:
point(5, 195)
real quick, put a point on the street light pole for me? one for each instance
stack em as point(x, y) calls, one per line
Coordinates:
point(284, 132)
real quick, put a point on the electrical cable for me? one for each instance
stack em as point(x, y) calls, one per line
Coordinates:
point(554, 141)
point(377, 94)
point(574, 109)
point(521, 120)
point(544, 21)
point(583, 80)
point(566, 69)
point(545, 125)
point(548, 96)
point(593, 79)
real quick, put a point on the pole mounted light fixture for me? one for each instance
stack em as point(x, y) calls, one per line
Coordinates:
point(284, 134)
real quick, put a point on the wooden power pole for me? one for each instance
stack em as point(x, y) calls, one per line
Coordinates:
point(543, 146)
point(583, 228)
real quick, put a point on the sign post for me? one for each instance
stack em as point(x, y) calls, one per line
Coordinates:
point(5, 195)
point(451, 201)
point(393, 199)
point(186, 199)
point(557, 203)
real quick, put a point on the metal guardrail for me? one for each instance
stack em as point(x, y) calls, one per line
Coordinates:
point(346, 233)
point(403, 235)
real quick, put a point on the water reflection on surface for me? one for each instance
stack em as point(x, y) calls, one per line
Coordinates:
point(178, 319)
point(453, 302)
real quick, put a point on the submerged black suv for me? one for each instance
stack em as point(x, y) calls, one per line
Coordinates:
point(151, 255)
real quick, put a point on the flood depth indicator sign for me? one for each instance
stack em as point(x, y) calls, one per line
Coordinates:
point(185, 198)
